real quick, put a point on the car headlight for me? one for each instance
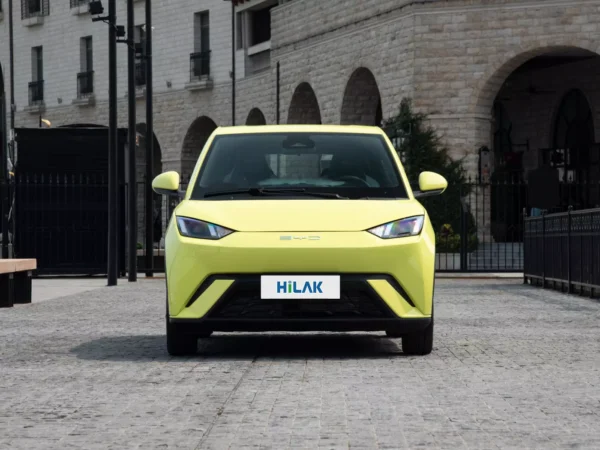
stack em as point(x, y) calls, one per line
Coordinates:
point(198, 229)
point(411, 226)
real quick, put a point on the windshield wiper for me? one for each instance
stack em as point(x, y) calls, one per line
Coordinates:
point(264, 192)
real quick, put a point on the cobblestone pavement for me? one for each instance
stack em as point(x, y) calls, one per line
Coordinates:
point(512, 367)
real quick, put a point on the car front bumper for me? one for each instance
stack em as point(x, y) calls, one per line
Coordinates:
point(385, 284)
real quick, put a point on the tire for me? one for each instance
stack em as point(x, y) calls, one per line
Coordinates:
point(178, 343)
point(419, 343)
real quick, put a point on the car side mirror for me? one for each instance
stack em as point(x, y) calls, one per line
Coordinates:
point(430, 183)
point(166, 183)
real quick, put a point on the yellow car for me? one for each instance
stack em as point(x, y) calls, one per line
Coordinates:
point(299, 228)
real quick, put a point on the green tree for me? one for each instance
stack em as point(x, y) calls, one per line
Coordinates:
point(421, 150)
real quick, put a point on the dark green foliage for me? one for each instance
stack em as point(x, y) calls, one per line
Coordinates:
point(422, 150)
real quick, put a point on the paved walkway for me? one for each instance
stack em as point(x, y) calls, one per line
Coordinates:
point(43, 289)
point(512, 367)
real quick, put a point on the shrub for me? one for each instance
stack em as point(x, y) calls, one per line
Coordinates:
point(422, 150)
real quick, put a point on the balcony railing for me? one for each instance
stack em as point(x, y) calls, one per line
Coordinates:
point(85, 84)
point(36, 92)
point(34, 8)
point(76, 3)
point(199, 65)
point(140, 73)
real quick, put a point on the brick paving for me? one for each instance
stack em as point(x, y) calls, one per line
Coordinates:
point(512, 367)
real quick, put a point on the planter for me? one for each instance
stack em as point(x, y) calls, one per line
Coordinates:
point(447, 261)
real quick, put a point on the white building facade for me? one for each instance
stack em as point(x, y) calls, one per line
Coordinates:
point(516, 76)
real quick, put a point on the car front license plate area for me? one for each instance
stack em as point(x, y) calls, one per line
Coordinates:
point(300, 287)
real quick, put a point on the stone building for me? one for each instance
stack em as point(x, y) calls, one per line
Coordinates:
point(516, 76)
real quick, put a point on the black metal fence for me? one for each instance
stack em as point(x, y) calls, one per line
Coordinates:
point(479, 227)
point(562, 251)
point(62, 221)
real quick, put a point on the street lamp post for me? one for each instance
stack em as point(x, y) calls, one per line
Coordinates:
point(9, 149)
point(233, 3)
point(149, 146)
point(131, 148)
point(96, 8)
point(114, 32)
point(112, 144)
point(233, 75)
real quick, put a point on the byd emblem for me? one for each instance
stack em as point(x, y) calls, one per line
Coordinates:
point(299, 238)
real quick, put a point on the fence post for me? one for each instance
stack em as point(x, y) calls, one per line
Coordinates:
point(524, 247)
point(463, 235)
point(543, 249)
point(569, 210)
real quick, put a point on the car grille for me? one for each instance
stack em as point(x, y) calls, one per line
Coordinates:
point(357, 301)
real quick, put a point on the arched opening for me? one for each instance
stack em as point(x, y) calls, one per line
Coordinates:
point(574, 153)
point(538, 108)
point(158, 211)
point(304, 107)
point(502, 133)
point(193, 143)
point(256, 117)
point(361, 104)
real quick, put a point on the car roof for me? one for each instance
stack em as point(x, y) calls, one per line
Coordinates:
point(254, 129)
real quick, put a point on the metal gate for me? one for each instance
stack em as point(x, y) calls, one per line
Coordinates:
point(61, 200)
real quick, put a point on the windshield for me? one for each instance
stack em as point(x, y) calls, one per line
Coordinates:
point(351, 165)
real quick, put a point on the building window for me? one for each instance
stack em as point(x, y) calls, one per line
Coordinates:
point(239, 30)
point(200, 59)
point(34, 8)
point(260, 25)
point(85, 78)
point(139, 39)
point(36, 86)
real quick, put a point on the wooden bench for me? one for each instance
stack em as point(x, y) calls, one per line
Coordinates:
point(15, 281)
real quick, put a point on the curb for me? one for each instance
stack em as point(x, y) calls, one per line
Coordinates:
point(480, 276)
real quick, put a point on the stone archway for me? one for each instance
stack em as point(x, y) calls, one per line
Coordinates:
point(529, 85)
point(489, 85)
point(256, 117)
point(193, 143)
point(361, 104)
point(304, 107)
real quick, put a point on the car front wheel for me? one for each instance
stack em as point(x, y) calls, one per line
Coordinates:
point(419, 343)
point(178, 343)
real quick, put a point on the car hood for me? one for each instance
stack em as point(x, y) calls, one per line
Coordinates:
point(299, 214)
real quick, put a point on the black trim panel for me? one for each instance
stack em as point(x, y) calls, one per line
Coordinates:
point(358, 301)
point(252, 277)
point(196, 326)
